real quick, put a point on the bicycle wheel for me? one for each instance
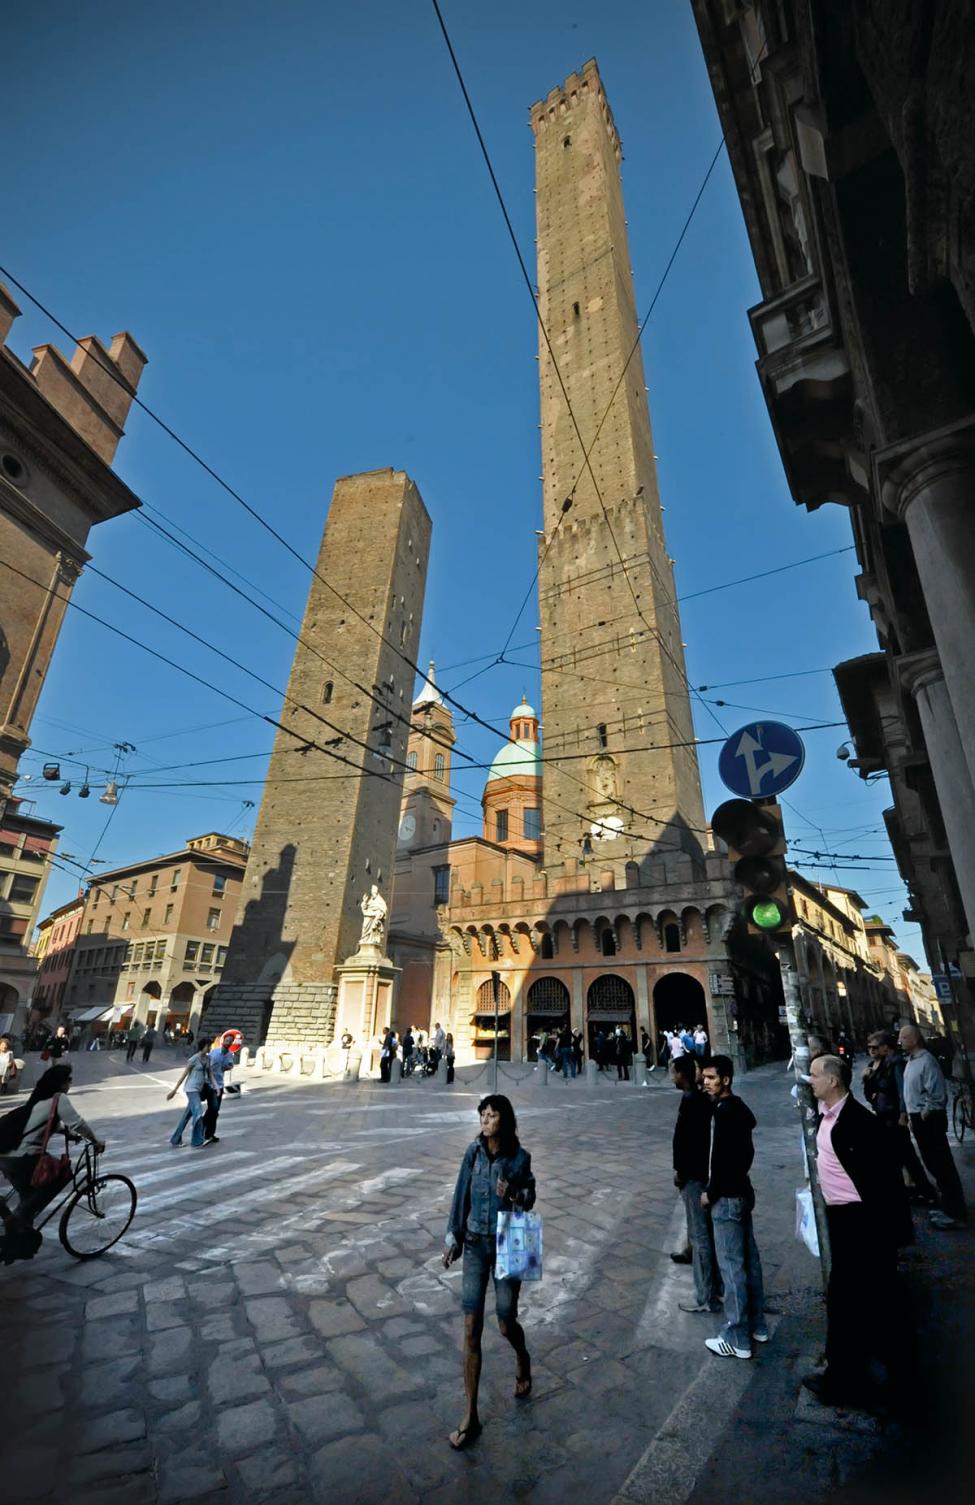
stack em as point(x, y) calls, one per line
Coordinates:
point(97, 1216)
point(960, 1120)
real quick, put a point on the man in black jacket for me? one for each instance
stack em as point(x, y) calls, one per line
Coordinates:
point(730, 1197)
point(692, 1145)
point(883, 1088)
point(868, 1216)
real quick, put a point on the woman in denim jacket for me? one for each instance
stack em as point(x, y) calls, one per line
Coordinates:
point(495, 1176)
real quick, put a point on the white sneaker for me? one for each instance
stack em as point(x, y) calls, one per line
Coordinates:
point(726, 1350)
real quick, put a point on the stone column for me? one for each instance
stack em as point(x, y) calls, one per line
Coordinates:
point(932, 490)
point(922, 676)
point(578, 1006)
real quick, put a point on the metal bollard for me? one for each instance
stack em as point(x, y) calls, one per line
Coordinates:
point(353, 1066)
point(640, 1072)
point(396, 1072)
point(592, 1074)
point(542, 1075)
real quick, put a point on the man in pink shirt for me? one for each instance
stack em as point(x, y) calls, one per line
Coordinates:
point(868, 1216)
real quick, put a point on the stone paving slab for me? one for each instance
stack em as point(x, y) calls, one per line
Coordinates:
point(297, 1338)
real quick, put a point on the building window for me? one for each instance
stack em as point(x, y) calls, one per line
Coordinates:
point(501, 825)
point(327, 690)
point(176, 879)
point(601, 734)
point(146, 917)
point(213, 919)
point(130, 990)
point(219, 883)
point(439, 764)
point(126, 919)
point(206, 955)
point(23, 888)
point(548, 947)
point(576, 310)
point(89, 927)
point(153, 884)
point(192, 950)
point(671, 937)
point(167, 917)
point(566, 141)
point(95, 898)
point(607, 942)
point(441, 885)
point(221, 955)
point(533, 825)
point(411, 762)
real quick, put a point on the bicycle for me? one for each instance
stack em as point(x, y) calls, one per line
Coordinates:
point(961, 1111)
point(96, 1209)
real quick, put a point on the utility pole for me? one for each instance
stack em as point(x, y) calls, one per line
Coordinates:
point(496, 990)
point(808, 1113)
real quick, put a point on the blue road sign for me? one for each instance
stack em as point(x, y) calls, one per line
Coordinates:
point(761, 759)
point(942, 986)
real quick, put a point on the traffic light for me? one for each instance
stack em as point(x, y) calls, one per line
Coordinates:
point(755, 838)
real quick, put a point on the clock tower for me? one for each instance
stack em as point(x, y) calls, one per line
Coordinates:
point(427, 808)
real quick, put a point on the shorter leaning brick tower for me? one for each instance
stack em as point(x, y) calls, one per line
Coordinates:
point(325, 833)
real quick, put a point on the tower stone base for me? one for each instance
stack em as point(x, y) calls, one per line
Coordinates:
point(302, 1013)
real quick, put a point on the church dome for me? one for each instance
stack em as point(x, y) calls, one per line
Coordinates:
point(519, 759)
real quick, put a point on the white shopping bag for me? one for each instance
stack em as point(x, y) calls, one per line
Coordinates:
point(519, 1246)
point(806, 1229)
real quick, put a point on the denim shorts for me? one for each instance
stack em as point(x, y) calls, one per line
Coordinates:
point(479, 1255)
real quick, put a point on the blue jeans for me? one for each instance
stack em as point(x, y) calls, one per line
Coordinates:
point(741, 1271)
point(568, 1061)
point(194, 1110)
point(707, 1284)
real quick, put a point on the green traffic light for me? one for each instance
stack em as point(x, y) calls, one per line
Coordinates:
point(768, 914)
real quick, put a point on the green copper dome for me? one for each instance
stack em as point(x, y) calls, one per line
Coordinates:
point(517, 760)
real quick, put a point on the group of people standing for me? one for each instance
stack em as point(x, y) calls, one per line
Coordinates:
point(419, 1052)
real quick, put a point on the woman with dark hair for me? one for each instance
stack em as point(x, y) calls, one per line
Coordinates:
point(495, 1176)
point(19, 1166)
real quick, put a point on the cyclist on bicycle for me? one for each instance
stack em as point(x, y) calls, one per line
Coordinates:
point(30, 1121)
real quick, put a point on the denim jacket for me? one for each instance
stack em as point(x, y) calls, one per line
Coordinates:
point(476, 1202)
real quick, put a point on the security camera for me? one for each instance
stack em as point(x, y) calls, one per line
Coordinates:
point(843, 753)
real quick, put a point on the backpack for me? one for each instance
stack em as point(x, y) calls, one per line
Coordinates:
point(12, 1126)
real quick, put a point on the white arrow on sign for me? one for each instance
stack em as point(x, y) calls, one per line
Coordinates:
point(777, 762)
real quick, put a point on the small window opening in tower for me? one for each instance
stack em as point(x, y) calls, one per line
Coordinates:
point(566, 141)
point(576, 310)
point(601, 734)
point(439, 766)
point(327, 692)
point(671, 938)
point(548, 948)
point(607, 942)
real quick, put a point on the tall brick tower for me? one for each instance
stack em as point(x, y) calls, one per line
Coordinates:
point(613, 674)
point(321, 843)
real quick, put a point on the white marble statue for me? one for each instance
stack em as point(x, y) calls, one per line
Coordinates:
point(374, 913)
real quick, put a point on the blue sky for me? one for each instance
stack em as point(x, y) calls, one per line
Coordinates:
point(287, 208)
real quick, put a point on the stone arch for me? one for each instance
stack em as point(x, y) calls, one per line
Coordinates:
point(678, 998)
point(562, 936)
point(644, 929)
point(691, 919)
point(716, 921)
point(610, 1001)
point(483, 1020)
point(547, 1005)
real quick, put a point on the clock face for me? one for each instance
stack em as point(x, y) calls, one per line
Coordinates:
point(407, 827)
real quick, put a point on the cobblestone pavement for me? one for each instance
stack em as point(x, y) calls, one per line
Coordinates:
point(277, 1324)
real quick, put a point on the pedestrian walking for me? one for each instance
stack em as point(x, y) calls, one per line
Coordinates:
point(387, 1055)
point(926, 1103)
point(868, 1217)
point(221, 1061)
point(449, 1057)
point(577, 1052)
point(196, 1075)
point(731, 1199)
point(437, 1044)
point(675, 1043)
point(132, 1036)
point(883, 1088)
point(566, 1055)
point(495, 1176)
point(701, 1042)
point(599, 1049)
point(624, 1055)
point(148, 1041)
point(8, 1066)
point(409, 1045)
point(646, 1046)
point(692, 1148)
point(58, 1044)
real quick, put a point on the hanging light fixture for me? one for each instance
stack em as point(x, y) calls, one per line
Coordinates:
point(110, 797)
point(65, 788)
point(51, 771)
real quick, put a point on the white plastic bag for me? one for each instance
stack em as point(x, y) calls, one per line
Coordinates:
point(519, 1246)
point(806, 1229)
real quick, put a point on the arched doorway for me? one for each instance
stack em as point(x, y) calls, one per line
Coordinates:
point(177, 1017)
point(609, 1002)
point(678, 998)
point(547, 1005)
point(483, 1022)
point(9, 1000)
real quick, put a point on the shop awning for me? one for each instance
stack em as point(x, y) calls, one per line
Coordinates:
point(88, 1015)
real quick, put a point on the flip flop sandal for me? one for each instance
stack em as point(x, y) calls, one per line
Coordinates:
point(465, 1436)
point(526, 1382)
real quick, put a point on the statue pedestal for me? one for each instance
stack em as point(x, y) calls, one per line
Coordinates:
point(365, 1000)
